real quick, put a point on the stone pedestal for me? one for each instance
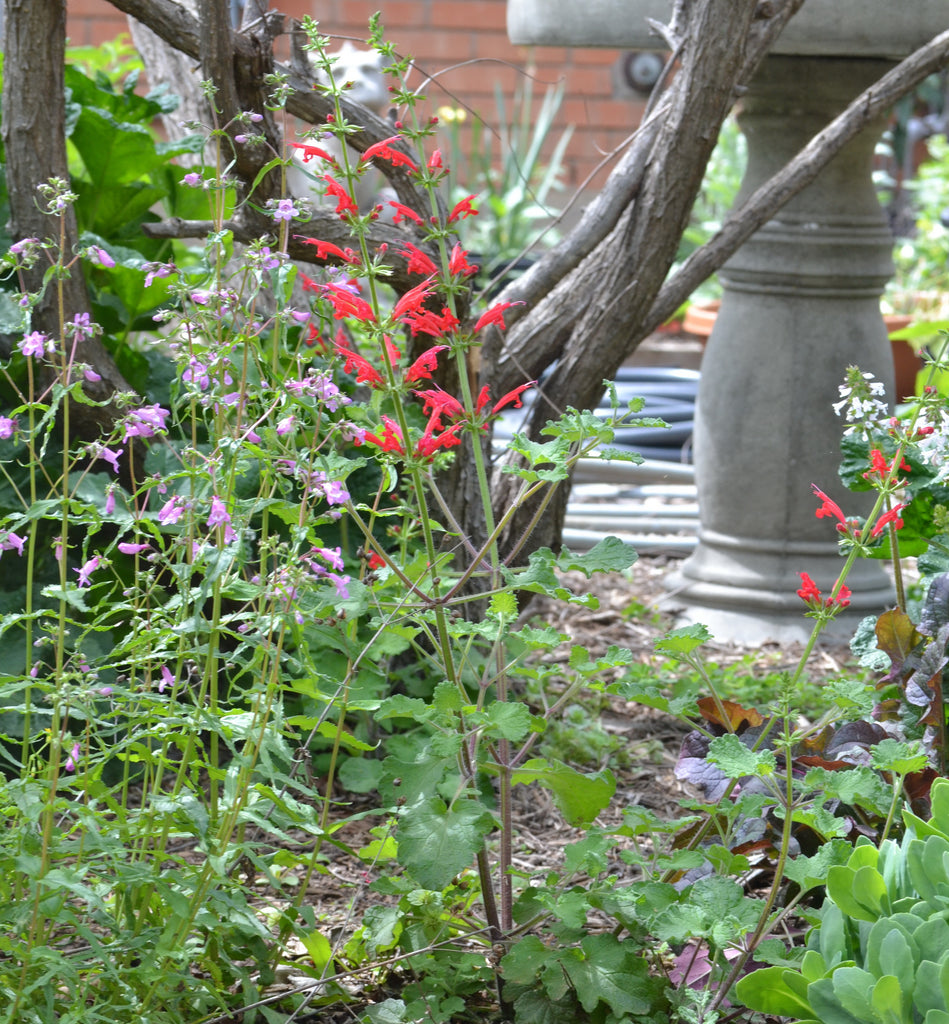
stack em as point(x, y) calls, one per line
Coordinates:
point(801, 303)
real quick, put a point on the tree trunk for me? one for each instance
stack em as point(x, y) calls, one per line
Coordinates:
point(34, 137)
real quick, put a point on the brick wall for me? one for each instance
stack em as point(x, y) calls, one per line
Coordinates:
point(441, 33)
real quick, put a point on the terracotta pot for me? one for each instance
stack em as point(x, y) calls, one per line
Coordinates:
point(907, 362)
point(700, 318)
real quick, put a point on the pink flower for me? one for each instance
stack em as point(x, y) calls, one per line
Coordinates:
point(73, 759)
point(99, 255)
point(285, 210)
point(145, 422)
point(171, 511)
point(132, 549)
point(11, 542)
point(33, 344)
point(167, 679)
point(7, 427)
point(87, 569)
point(219, 516)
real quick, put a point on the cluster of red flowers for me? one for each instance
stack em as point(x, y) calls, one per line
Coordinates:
point(810, 594)
point(413, 310)
point(830, 509)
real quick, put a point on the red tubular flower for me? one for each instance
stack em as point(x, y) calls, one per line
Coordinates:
point(412, 299)
point(440, 403)
point(513, 396)
point(892, 516)
point(458, 263)
point(376, 561)
point(495, 315)
point(391, 440)
point(345, 203)
point(418, 262)
point(425, 365)
point(435, 161)
point(394, 354)
point(808, 591)
point(831, 508)
point(366, 373)
point(424, 321)
point(430, 442)
point(880, 467)
point(345, 304)
point(396, 157)
point(309, 152)
point(324, 249)
point(403, 212)
point(811, 595)
point(462, 209)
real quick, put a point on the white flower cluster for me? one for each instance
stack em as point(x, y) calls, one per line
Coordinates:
point(863, 398)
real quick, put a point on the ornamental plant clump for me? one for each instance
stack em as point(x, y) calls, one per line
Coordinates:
point(209, 598)
point(246, 653)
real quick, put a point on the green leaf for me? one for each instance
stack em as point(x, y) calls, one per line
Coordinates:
point(437, 842)
point(611, 972)
point(679, 643)
point(360, 774)
point(579, 797)
point(319, 948)
point(553, 455)
point(853, 988)
point(504, 605)
point(860, 894)
point(887, 1000)
point(932, 985)
point(737, 760)
point(608, 555)
point(810, 872)
point(509, 721)
point(539, 577)
point(891, 755)
point(775, 991)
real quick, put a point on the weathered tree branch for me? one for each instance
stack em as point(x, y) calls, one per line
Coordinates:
point(759, 208)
